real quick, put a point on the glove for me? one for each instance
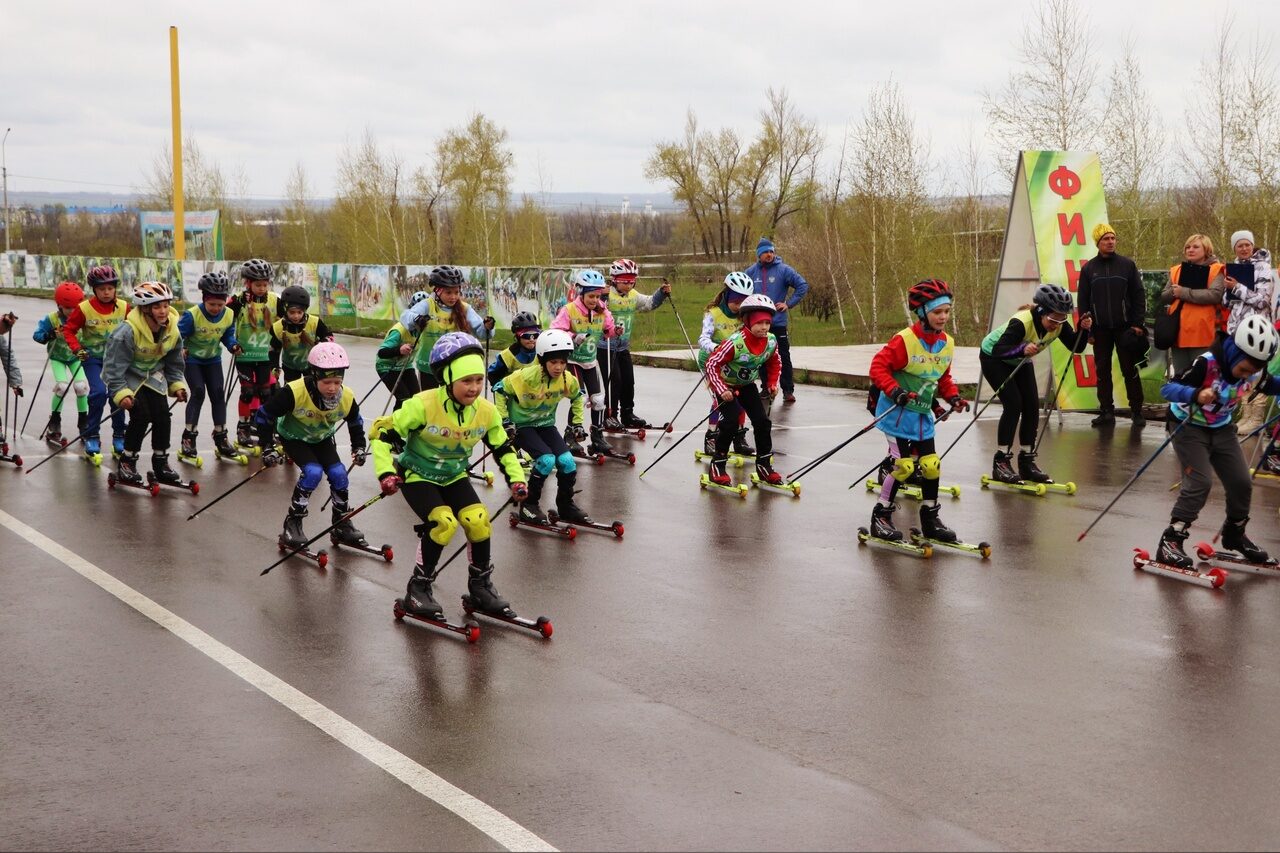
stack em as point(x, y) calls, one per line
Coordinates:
point(82, 354)
point(390, 484)
point(511, 430)
point(902, 396)
point(126, 404)
point(358, 455)
point(489, 323)
point(959, 404)
point(579, 339)
point(180, 395)
point(579, 434)
point(519, 491)
point(271, 457)
point(17, 392)
point(938, 411)
point(237, 350)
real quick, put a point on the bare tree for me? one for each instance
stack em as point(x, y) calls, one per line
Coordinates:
point(1133, 151)
point(795, 143)
point(1256, 139)
point(1206, 150)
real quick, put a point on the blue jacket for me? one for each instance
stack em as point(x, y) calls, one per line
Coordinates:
point(774, 280)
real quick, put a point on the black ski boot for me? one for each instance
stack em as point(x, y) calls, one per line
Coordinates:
point(598, 444)
point(565, 507)
point(418, 600)
point(529, 509)
point(484, 597)
point(1002, 468)
point(611, 421)
point(709, 442)
point(1106, 417)
point(222, 445)
point(882, 523)
point(1270, 464)
point(572, 440)
point(932, 527)
point(188, 446)
point(245, 436)
point(164, 474)
point(1234, 539)
point(127, 469)
point(345, 533)
point(1029, 470)
point(293, 535)
point(1169, 551)
point(764, 470)
point(740, 445)
point(718, 472)
point(631, 421)
point(53, 430)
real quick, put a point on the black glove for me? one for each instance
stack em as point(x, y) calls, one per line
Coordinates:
point(579, 434)
point(959, 404)
point(902, 396)
point(511, 430)
point(358, 455)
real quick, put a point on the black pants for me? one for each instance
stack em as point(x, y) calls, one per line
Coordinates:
point(255, 381)
point(1019, 398)
point(402, 384)
point(1104, 341)
point(150, 409)
point(423, 497)
point(786, 382)
point(202, 377)
point(748, 400)
point(619, 380)
point(427, 380)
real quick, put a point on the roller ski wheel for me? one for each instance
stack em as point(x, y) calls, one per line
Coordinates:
point(982, 549)
point(740, 489)
point(580, 453)
point(1207, 553)
point(485, 477)
point(924, 551)
point(196, 461)
point(560, 529)
point(602, 454)
point(638, 433)
point(541, 625)
point(191, 486)
point(1037, 489)
point(320, 558)
point(1060, 488)
point(792, 489)
point(736, 460)
point(143, 485)
point(470, 630)
point(384, 551)
point(1215, 578)
point(13, 459)
point(249, 449)
point(615, 527)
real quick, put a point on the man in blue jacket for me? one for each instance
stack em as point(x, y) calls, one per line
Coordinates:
point(774, 278)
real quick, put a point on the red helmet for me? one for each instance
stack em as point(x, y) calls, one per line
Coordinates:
point(924, 292)
point(104, 274)
point(68, 294)
point(623, 266)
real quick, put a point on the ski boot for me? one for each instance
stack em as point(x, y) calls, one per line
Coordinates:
point(529, 511)
point(740, 445)
point(882, 523)
point(223, 449)
point(1003, 475)
point(1234, 539)
point(481, 593)
point(117, 446)
point(631, 421)
point(165, 475)
point(345, 533)
point(598, 446)
point(932, 527)
point(1002, 468)
point(884, 535)
point(53, 430)
point(566, 509)
point(765, 477)
point(246, 438)
point(126, 474)
point(709, 442)
point(612, 423)
point(717, 473)
point(187, 450)
point(1169, 551)
point(1028, 470)
point(418, 600)
point(1270, 464)
point(93, 451)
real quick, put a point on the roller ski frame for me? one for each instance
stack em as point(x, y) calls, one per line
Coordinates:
point(56, 439)
point(913, 492)
point(470, 629)
point(1215, 578)
point(1208, 554)
point(982, 550)
point(601, 455)
point(580, 452)
point(189, 486)
point(148, 485)
point(541, 625)
point(739, 489)
point(924, 551)
point(639, 432)
point(6, 456)
point(564, 530)
point(736, 460)
point(320, 558)
point(792, 489)
point(1037, 489)
point(616, 527)
point(195, 461)
point(385, 551)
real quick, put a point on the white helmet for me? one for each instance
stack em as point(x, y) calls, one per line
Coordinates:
point(1257, 338)
point(757, 302)
point(554, 342)
point(740, 282)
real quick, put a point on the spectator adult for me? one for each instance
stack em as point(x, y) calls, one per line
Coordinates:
point(1243, 302)
point(774, 278)
point(1110, 290)
point(1198, 324)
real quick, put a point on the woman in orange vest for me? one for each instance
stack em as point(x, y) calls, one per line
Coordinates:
point(1199, 321)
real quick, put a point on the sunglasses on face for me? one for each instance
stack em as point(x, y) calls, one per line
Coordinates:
point(528, 336)
point(1057, 319)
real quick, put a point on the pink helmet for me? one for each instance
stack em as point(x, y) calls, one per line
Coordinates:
point(623, 266)
point(327, 357)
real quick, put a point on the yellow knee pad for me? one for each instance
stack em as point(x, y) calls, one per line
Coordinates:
point(445, 525)
point(903, 468)
point(931, 466)
point(475, 522)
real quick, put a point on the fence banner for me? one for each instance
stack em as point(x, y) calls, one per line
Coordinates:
point(334, 282)
point(516, 289)
point(203, 229)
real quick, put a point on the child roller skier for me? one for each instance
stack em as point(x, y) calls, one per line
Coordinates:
point(748, 354)
point(296, 332)
point(141, 366)
point(719, 322)
point(445, 311)
point(523, 350)
point(1206, 399)
point(912, 372)
point(527, 401)
point(422, 451)
point(86, 332)
point(255, 310)
point(589, 322)
point(394, 361)
point(68, 373)
point(619, 373)
point(207, 328)
point(306, 413)
point(1028, 332)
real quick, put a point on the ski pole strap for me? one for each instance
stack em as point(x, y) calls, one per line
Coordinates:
point(305, 545)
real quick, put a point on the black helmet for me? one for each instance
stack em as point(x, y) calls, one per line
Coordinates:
point(255, 270)
point(215, 284)
point(447, 276)
point(1053, 298)
point(296, 295)
point(524, 320)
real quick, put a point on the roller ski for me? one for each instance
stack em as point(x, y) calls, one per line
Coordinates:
point(223, 449)
point(347, 535)
point(634, 427)
point(188, 454)
point(53, 431)
point(1172, 562)
point(483, 599)
point(126, 474)
point(616, 527)
point(293, 541)
point(734, 460)
point(1029, 472)
point(602, 449)
point(93, 452)
point(1003, 476)
point(1238, 552)
point(517, 519)
point(162, 475)
point(764, 477)
point(933, 532)
point(573, 437)
point(717, 477)
point(247, 439)
point(12, 458)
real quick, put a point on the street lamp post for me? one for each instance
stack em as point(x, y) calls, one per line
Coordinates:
point(4, 172)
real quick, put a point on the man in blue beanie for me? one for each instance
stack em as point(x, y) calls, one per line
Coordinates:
point(774, 278)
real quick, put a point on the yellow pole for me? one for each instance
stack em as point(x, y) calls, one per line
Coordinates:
point(179, 220)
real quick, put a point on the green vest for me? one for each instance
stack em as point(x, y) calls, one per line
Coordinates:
point(440, 450)
point(1029, 334)
point(923, 370)
point(294, 346)
point(722, 327)
point(253, 329)
point(585, 352)
point(308, 422)
point(745, 366)
point(98, 327)
point(398, 335)
point(205, 341)
point(530, 398)
point(58, 349)
point(624, 310)
point(439, 321)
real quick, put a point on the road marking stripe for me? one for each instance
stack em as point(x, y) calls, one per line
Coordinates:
point(479, 814)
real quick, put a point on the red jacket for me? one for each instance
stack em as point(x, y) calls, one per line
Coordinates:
point(70, 329)
point(893, 357)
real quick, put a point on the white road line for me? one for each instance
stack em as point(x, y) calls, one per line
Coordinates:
point(482, 816)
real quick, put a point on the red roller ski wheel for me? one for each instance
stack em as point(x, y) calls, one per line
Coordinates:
point(1219, 577)
point(599, 459)
point(640, 433)
point(387, 553)
point(1204, 550)
point(631, 459)
point(1140, 556)
point(195, 487)
point(571, 533)
point(17, 461)
point(618, 529)
point(155, 490)
point(513, 520)
point(668, 427)
point(544, 626)
point(322, 559)
point(397, 611)
point(472, 633)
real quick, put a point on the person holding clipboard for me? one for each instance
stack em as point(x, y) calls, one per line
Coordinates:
point(1250, 290)
point(1194, 291)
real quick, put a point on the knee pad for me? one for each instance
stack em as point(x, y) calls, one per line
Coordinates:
point(312, 474)
point(597, 401)
point(903, 468)
point(931, 466)
point(445, 524)
point(544, 464)
point(82, 388)
point(59, 389)
point(475, 522)
point(566, 463)
point(337, 475)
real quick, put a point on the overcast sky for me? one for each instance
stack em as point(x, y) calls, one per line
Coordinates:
point(584, 88)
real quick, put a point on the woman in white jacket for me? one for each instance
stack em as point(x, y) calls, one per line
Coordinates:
point(1245, 302)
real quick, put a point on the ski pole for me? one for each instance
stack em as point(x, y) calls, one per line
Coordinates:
point(304, 546)
point(350, 467)
point(1057, 389)
point(488, 336)
point(858, 480)
point(464, 545)
point(692, 391)
point(488, 451)
point(261, 468)
point(677, 443)
point(806, 468)
point(36, 393)
point(112, 409)
point(70, 382)
point(1135, 476)
point(978, 414)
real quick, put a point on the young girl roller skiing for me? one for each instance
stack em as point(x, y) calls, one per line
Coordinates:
point(207, 328)
point(1004, 357)
point(394, 361)
point(142, 364)
point(589, 322)
point(422, 451)
point(1204, 402)
point(306, 413)
point(732, 369)
point(85, 333)
point(296, 332)
point(913, 372)
point(525, 328)
point(619, 373)
point(445, 311)
point(68, 374)
point(255, 310)
point(719, 322)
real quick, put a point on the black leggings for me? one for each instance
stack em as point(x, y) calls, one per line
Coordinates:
point(423, 498)
point(619, 380)
point(402, 384)
point(427, 380)
point(1019, 398)
point(901, 448)
point(149, 409)
point(748, 400)
point(200, 377)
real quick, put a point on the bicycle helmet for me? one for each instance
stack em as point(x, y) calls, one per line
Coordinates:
point(151, 292)
point(924, 292)
point(1256, 338)
point(623, 266)
point(295, 295)
point(104, 274)
point(450, 347)
point(214, 284)
point(417, 297)
point(588, 280)
point(255, 270)
point(757, 302)
point(68, 294)
point(554, 343)
point(327, 359)
point(524, 320)
point(1053, 298)
point(740, 283)
point(447, 276)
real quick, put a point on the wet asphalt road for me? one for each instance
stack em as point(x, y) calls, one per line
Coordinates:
point(733, 674)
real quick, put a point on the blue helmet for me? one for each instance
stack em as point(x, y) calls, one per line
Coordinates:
point(450, 347)
point(586, 280)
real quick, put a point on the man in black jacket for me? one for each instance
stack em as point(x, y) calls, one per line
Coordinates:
point(1110, 290)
